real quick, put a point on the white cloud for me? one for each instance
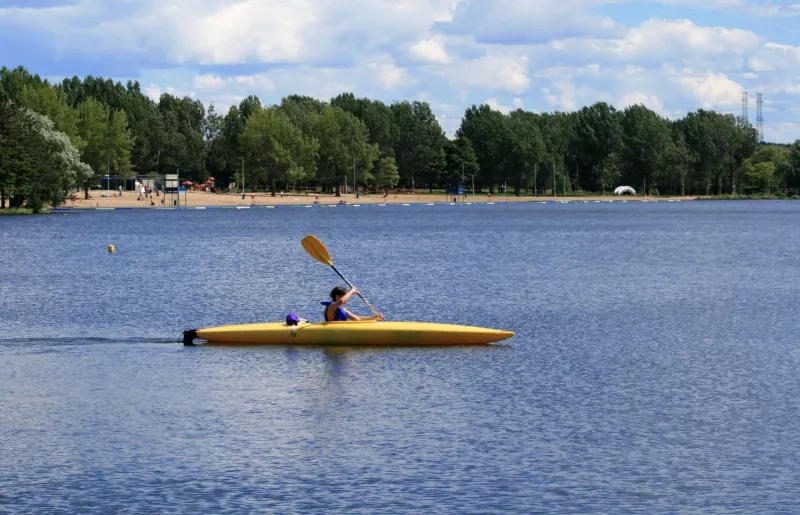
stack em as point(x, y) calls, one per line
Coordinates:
point(154, 92)
point(781, 132)
point(430, 50)
point(503, 21)
point(784, 57)
point(232, 32)
point(372, 79)
point(569, 95)
point(646, 99)
point(389, 75)
point(656, 41)
point(538, 55)
point(209, 82)
point(711, 89)
point(495, 73)
point(226, 91)
point(494, 104)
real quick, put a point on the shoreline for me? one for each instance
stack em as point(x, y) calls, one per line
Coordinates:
point(206, 200)
point(232, 200)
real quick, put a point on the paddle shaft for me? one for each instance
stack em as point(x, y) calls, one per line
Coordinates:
point(351, 287)
point(318, 251)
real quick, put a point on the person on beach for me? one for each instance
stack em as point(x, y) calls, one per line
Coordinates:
point(335, 312)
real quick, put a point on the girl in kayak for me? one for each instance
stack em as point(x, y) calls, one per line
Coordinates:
point(335, 312)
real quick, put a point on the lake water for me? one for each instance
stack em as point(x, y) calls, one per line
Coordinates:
point(655, 367)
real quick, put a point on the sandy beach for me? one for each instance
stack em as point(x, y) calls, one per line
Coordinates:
point(107, 199)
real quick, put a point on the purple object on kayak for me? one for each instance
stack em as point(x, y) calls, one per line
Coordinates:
point(292, 319)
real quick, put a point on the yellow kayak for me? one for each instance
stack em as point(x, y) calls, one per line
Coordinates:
point(358, 333)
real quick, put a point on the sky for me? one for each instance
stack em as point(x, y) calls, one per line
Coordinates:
point(673, 56)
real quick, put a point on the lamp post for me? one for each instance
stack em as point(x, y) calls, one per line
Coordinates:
point(462, 178)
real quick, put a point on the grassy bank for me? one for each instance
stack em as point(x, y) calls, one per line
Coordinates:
point(22, 211)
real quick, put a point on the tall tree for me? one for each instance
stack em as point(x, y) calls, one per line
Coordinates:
point(277, 149)
point(38, 164)
point(107, 141)
point(344, 148)
point(598, 135)
point(377, 116)
point(682, 157)
point(526, 149)
point(485, 129)
point(386, 173)
point(182, 146)
point(461, 161)
point(556, 129)
point(646, 149)
point(420, 140)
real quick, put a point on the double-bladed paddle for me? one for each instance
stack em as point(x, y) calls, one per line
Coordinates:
point(318, 251)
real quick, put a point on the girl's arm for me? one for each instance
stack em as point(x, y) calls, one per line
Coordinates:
point(351, 316)
point(345, 298)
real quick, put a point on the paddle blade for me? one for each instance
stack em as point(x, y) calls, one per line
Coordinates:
point(317, 250)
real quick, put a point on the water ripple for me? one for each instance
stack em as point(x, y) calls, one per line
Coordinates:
point(653, 370)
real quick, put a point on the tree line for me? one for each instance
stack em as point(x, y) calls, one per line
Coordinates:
point(56, 137)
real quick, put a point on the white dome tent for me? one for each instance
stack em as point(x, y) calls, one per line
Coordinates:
point(621, 190)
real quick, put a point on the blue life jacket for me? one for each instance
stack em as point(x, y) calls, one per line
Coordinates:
point(341, 314)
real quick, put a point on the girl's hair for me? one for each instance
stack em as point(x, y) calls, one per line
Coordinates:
point(337, 291)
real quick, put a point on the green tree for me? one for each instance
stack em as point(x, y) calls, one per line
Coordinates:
point(38, 164)
point(525, 151)
point(18, 151)
point(386, 175)
point(757, 177)
point(485, 129)
point(276, 148)
point(119, 129)
point(51, 102)
point(647, 147)
point(419, 141)
point(610, 172)
point(344, 148)
point(598, 134)
point(377, 116)
point(780, 157)
point(557, 129)
point(59, 168)
point(794, 159)
point(182, 144)
point(682, 157)
point(301, 110)
point(215, 161)
point(107, 141)
point(462, 162)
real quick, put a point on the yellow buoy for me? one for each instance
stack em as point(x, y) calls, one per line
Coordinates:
point(111, 248)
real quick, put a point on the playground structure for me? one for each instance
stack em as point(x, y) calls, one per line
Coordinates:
point(621, 190)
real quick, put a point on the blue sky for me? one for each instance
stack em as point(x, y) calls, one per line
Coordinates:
point(671, 55)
